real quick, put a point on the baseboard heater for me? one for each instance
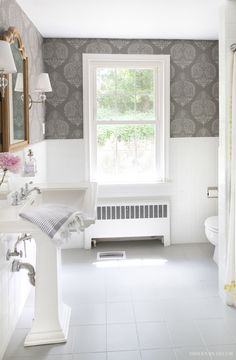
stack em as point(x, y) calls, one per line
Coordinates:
point(130, 220)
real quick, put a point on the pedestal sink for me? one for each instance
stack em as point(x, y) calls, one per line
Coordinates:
point(51, 316)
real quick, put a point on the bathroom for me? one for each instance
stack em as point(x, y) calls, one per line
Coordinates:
point(163, 299)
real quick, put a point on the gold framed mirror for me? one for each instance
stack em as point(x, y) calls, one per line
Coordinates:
point(14, 114)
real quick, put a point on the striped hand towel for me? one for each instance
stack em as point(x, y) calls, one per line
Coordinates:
point(55, 220)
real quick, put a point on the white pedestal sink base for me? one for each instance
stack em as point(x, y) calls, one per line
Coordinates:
point(56, 336)
point(51, 316)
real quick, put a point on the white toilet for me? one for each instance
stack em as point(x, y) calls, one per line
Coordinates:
point(211, 231)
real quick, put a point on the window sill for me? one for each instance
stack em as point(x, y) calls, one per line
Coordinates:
point(142, 183)
point(137, 190)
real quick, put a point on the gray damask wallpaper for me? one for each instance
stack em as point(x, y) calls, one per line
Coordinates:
point(12, 15)
point(194, 83)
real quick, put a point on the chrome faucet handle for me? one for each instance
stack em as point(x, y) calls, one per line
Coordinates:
point(10, 253)
point(25, 248)
point(26, 188)
point(22, 194)
point(15, 199)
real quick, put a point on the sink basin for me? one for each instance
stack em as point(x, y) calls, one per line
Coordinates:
point(51, 316)
point(82, 196)
point(10, 221)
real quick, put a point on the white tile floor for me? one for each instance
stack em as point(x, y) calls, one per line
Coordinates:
point(149, 310)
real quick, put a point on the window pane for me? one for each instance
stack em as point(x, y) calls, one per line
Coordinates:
point(111, 107)
point(144, 81)
point(125, 152)
point(145, 107)
point(125, 81)
point(125, 94)
point(106, 80)
point(106, 107)
point(125, 108)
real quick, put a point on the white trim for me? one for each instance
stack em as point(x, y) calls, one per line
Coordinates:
point(160, 62)
point(86, 117)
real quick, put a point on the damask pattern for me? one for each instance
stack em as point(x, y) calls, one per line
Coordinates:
point(76, 43)
point(215, 54)
point(56, 126)
point(161, 44)
point(183, 54)
point(140, 47)
point(73, 109)
point(73, 70)
point(183, 124)
point(12, 15)
point(55, 54)
point(99, 46)
point(119, 44)
point(203, 44)
point(60, 90)
point(194, 82)
point(215, 91)
point(182, 90)
point(203, 109)
point(203, 72)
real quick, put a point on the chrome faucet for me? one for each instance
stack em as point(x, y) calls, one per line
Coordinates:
point(18, 265)
point(25, 191)
point(16, 252)
point(35, 188)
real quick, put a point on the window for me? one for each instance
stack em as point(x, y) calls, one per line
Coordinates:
point(126, 117)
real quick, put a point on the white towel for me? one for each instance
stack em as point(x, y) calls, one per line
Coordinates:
point(55, 220)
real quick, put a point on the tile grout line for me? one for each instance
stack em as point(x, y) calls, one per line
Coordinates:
point(171, 338)
point(106, 303)
point(133, 302)
point(169, 332)
point(136, 326)
point(201, 335)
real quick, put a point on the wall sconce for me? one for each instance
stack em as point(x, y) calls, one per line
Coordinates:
point(7, 64)
point(43, 85)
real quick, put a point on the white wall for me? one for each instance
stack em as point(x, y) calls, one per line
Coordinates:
point(65, 161)
point(193, 167)
point(227, 36)
point(15, 287)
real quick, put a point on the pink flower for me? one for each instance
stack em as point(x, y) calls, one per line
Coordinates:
point(10, 162)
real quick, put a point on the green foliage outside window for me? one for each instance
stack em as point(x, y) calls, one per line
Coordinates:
point(125, 133)
point(125, 94)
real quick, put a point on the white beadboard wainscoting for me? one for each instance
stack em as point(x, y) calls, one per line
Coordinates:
point(15, 287)
point(193, 167)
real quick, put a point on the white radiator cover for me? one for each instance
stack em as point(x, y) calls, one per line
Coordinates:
point(131, 219)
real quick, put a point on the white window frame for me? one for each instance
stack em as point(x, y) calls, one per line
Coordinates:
point(162, 64)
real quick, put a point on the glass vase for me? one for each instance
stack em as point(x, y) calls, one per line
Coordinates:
point(4, 187)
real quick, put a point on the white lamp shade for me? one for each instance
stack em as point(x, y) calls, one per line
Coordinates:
point(7, 63)
point(43, 83)
point(19, 83)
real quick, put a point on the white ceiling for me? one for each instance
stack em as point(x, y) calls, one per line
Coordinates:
point(159, 19)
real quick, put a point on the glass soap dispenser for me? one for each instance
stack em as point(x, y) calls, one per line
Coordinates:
point(30, 167)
